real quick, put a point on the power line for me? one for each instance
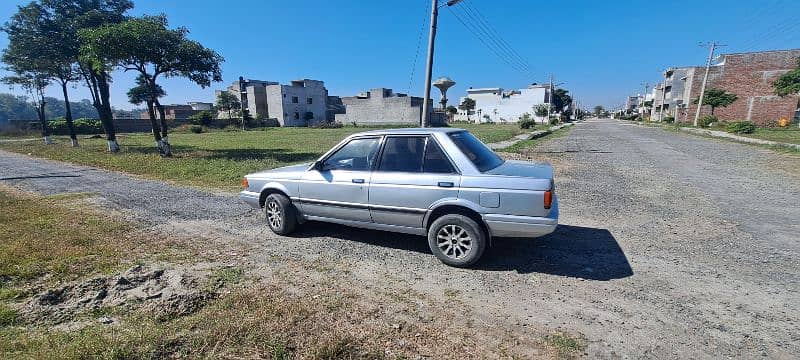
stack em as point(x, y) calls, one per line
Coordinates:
point(481, 20)
point(416, 54)
point(491, 47)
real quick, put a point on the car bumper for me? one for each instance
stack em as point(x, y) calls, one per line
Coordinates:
point(251, 198)
point(522, 226)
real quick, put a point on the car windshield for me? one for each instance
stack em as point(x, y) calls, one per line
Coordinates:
point(484, 158)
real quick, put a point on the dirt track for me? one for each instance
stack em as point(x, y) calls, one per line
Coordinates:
point(671, 245)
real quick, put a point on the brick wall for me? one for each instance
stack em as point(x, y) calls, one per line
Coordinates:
point(750, 76)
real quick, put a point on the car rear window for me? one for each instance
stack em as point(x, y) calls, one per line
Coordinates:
point(484, 158)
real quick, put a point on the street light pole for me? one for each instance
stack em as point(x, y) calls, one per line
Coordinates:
point(426, 108)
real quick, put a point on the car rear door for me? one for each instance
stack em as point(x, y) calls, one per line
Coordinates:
point(412, 173)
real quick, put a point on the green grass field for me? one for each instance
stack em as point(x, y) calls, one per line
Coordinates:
point(216, 159)
point(789, 135)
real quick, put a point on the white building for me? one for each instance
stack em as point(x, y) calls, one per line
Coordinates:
point(496, 105)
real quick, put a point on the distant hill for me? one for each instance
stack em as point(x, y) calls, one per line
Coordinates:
point(13, 107)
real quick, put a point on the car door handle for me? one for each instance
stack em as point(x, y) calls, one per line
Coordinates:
point(445, 184)
point(358, 181)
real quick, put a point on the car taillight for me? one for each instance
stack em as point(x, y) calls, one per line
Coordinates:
point(548, 199)
point(245, 184)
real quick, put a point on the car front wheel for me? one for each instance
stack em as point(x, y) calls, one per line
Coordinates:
point(456, 240)
point(281, 214)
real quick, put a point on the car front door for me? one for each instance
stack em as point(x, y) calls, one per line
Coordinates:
point(412, 173)
point(338, 187)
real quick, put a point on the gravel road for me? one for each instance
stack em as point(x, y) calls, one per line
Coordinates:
point(671, 245)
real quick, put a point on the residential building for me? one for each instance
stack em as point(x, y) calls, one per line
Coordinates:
point(173, 112)
point(497, 105)
point(748, 75)
point(382, 106)
point(201, 106)
point(301, 103)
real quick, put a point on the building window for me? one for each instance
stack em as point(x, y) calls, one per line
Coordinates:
point(309, 101)
point(309, 116)
point(295, 100)
point(284, 96)
point(297, 116)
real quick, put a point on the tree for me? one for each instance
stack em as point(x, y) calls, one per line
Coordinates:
point(75, 17)
point(29, 57)
point(228, 102)
point(35, 84)
point(716, 98)
point(148, 46)
point(143, 93)
point(561, 100)
point(599, 110)
point(789, 83)
point(451, 111)
point(467, 105)
point(541, 110)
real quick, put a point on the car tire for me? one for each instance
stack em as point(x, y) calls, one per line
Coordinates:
point(457, 240)
point(280, 213)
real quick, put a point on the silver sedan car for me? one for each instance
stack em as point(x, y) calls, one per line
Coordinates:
point(442, 183)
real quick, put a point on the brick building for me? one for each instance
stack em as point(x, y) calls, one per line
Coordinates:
point(748, 75)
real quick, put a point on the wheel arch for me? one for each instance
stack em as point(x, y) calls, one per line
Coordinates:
point(457, 207)
point(272, 188)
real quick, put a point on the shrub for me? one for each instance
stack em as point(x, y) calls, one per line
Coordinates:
point(707, 120)
point(196, 129)
point(527, 122)
point(554, 120)
point(204, 118)
point(741, 127)
point(82, 126)
point(669, 119)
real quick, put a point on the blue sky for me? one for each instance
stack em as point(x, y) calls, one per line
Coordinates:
point(600, 50)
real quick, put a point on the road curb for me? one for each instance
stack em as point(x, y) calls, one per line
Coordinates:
point(724, 135)
point(531, 135)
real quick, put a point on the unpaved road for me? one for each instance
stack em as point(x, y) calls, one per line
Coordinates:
point(672, 246)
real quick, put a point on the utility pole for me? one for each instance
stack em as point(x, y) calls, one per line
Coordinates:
point(426, 108)
point(549, 101)
point(644, 98)
point(712, 46)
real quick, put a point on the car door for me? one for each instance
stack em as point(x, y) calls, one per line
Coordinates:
point(338, 187)
point(413, 172)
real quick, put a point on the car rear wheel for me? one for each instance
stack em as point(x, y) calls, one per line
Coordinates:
point(456, 240)
point(281, 214)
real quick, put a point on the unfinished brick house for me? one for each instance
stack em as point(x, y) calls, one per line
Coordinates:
point(750, 76)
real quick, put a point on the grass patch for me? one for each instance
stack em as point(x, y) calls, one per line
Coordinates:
point(526, 145)
point(8, 316)
point(225, 276)
point(41, 236)
point(216, 159)
point(789, 135)
point(565, 345)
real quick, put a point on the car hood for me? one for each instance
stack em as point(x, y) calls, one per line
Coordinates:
point(523, 169)
point(284, 172)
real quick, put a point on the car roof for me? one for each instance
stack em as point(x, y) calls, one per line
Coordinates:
point(410, 131)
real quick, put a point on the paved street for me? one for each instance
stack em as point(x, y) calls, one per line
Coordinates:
point(671, 245)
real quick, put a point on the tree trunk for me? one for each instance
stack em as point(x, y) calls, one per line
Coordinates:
point(68, 116)
point(164, 149)
point(154, 124)
point(43, 122)
point(104, 110)
point(712, 111)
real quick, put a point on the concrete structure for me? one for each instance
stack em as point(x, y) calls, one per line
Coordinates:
point(443, 84)
point(496, 105)
point(201, 106)
point(381, 106)
point(301, 103)
point(748, 75)
point(173, 112)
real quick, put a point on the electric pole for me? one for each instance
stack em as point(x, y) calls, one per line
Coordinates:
point(663, 97)
point(549, 101)
point(426, 108)
point(644, 98)
point(712, 46)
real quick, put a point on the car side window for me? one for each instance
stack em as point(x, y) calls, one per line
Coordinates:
point(403, 153)
point(435, 161)
point(356, 155)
